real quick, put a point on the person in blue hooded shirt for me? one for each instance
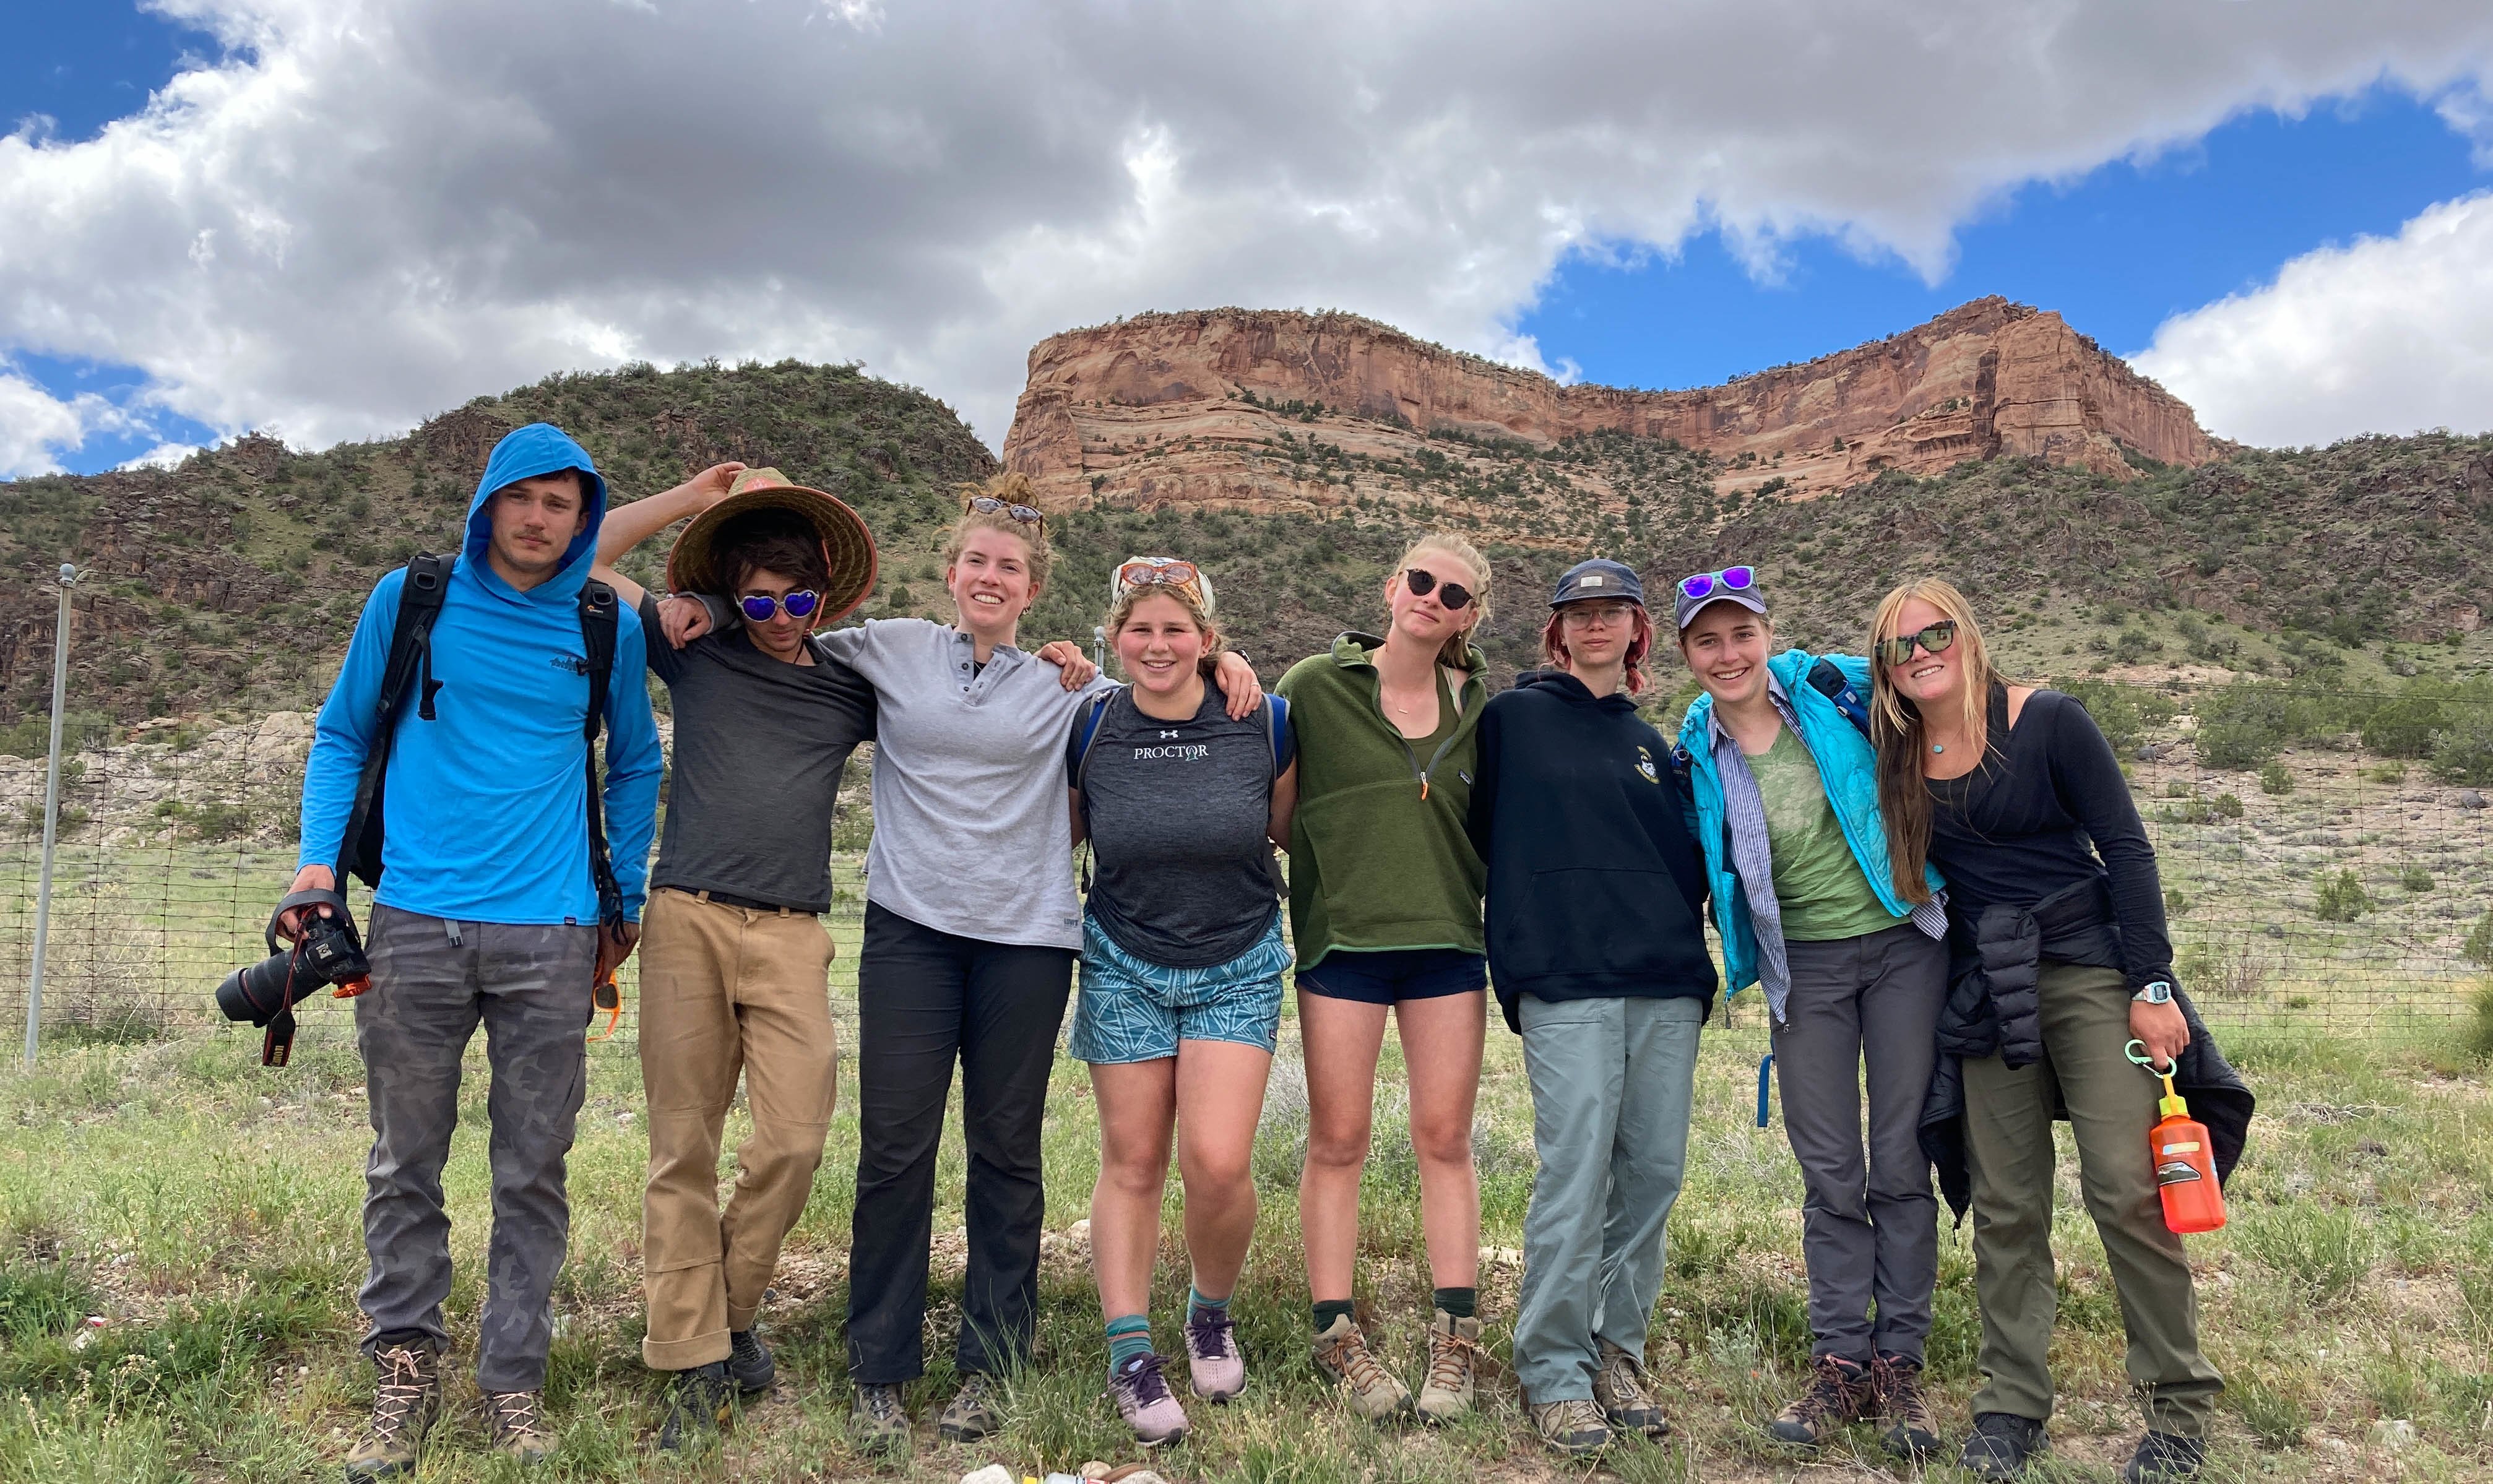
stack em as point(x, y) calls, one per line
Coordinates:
point(486, 913)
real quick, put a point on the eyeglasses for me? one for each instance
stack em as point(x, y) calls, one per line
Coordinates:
point(990, 505)
point(1586, 615)
point(1731, 580)
point(761, 608)
point(1934, 640)
point(1422, 582)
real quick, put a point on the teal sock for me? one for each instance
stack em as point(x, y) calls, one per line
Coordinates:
point(1461, 1303)
point(1199, 1307)
point(1330, 1309)
point(1128, 1335)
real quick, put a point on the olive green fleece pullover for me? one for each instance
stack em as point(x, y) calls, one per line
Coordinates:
point(1379, 858)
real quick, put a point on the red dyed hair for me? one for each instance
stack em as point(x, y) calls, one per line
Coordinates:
point(1553, 646)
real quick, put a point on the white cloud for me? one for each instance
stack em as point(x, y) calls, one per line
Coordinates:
point(163, 456)
point(375, 209)
point(36, 426)
point(2384, 335)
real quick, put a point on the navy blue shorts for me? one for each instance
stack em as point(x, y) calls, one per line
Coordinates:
point(1388, 975)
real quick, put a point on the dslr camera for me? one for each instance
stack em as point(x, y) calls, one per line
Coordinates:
point(326, 955)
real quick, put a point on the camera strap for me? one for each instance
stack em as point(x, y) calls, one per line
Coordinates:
point(598, 621)
point(276, 1040)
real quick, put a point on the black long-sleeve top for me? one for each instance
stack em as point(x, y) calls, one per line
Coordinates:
point(1595, 887)
point(2018, 828)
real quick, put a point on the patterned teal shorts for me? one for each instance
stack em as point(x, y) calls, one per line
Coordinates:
point(1134, 1010)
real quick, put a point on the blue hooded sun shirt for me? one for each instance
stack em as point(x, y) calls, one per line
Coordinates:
point(487, 812)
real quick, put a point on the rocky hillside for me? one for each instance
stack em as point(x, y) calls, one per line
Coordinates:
point(225, 588)
point(1207, 408)
point(231, 583)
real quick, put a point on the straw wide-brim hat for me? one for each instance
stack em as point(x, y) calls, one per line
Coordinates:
point(694, 567)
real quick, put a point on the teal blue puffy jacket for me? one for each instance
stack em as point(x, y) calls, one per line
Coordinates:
point(1847, 766)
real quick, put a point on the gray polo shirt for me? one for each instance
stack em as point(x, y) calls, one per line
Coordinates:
point(972, 835)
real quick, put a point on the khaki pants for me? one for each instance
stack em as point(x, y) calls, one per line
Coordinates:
point(724, 989)
point(2008, 1128)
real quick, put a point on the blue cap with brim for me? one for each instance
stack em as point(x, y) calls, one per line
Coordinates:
point(1600, 578)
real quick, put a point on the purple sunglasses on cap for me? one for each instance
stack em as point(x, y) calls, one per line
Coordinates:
point(1732, 580)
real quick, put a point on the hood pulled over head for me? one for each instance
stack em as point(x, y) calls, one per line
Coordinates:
point(524, 452)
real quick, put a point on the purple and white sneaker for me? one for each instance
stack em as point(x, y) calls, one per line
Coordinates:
point(1213, 1356)
point(1143, 1399)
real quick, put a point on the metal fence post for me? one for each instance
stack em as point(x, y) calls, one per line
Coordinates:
point(52, 816)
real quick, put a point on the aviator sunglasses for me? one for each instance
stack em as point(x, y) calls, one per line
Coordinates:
point(990, 505)
point(761, 608)
point(1730, 579)
point(1422, 582)
point(1934, 640)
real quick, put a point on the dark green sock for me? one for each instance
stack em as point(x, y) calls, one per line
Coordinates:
point(1461, 1303)
point(1128, 1335)
point(1330, 1309)
point(1199, 1307)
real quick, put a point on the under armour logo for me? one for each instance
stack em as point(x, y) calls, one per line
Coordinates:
point(1167, 736)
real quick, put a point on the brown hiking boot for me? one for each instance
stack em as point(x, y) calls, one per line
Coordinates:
point(405, 1403)
point(1367, 1389)
point(1896, 1391)
point(515, 1426)
point(1838, 1395)
point(1573, 1427)
point(1619, 1387)
point(1453, 1357)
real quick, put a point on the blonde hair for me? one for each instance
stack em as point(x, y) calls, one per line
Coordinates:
point(1014, 488)
point(1895, 728)
point(1463, 551)
point(1132, 597)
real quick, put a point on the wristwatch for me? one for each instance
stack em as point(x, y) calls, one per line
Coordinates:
point(2160, 993)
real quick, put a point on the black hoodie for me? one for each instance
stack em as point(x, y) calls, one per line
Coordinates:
point(1595, 887)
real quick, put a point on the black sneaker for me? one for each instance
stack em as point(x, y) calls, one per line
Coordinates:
point(2163, 1457)
point(748, 1362)
point(2003, 1444)
point(698, 1403)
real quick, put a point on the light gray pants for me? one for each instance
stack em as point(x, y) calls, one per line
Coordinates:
point(1611, 1081)
point(1869, 1231)
point(434, 982)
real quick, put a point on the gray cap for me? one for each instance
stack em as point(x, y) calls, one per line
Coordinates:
point(1732, 584)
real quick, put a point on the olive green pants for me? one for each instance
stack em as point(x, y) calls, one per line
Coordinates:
point(2008, 1127)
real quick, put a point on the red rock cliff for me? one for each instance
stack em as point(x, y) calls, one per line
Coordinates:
point(1986, 378)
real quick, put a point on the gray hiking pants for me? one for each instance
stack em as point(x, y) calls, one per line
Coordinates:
point(1869, 1228)
point(433, 981)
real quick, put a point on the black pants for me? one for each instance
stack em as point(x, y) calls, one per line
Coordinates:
point(923, 998)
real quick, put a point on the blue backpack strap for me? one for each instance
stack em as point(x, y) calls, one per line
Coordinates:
point(1827, 680)
point(1276, 719)
point(1091, 719)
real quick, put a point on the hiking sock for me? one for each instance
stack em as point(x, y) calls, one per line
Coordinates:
point(1330, 1309)
point(1128, 1335)
point(1198, 1307)
point(1461, 1303)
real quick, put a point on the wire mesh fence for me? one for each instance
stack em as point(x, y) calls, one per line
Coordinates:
point(2312, 883)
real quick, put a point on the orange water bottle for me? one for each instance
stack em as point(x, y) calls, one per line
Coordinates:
point(2184, 1158)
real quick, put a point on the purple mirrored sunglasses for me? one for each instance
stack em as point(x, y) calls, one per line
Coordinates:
point(761, 608)
point(1731, 580)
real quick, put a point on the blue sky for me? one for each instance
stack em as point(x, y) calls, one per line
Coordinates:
point(2359, 229)
point(2116, 251)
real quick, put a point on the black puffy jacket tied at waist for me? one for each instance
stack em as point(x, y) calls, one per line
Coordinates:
point(1994, 1009)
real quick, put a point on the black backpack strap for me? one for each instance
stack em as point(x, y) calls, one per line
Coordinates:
point(599, 619)
point(411, 661)
point(1826, 678)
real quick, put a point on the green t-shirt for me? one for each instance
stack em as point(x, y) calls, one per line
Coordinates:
point(1817, 883)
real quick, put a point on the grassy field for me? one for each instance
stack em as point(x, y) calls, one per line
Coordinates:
point(205, 1209)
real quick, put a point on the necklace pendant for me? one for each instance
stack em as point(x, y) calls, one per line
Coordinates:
point(1937, 746)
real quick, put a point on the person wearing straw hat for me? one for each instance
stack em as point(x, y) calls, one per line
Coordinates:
point(735, 963)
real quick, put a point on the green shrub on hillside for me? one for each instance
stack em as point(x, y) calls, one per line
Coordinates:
point(2275, 778)
point(2341, 898)
point(2464, 752)
point(2480, 943)
point(2123, 713)
point(2405, 727)
point(2249, 722)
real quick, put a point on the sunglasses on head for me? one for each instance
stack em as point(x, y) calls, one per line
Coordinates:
point(761, 608)
point(1167, 574)
point(1934, 640)
point(1422, 582)
point(1730, 579)
point(990, 505)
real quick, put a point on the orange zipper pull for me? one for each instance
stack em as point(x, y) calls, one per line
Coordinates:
point(1424, 786)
